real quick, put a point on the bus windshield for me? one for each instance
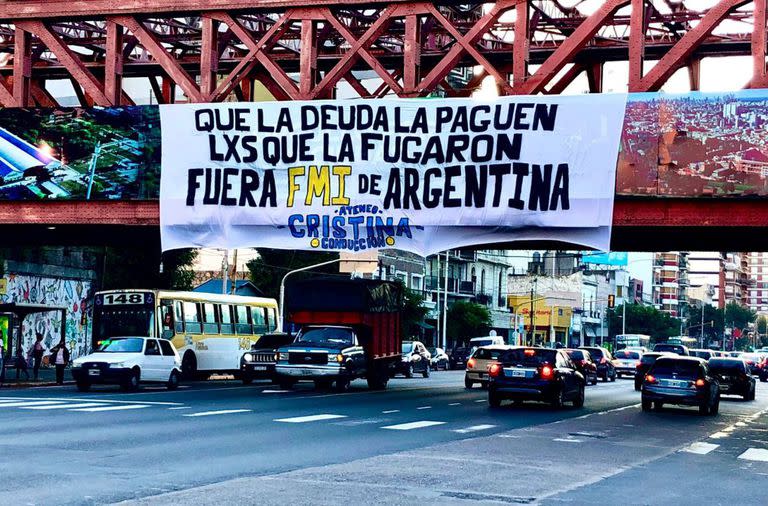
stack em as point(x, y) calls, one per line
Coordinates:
point(134, 321)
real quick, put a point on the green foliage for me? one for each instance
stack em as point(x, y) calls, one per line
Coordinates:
point(412, 313)
point(467, 320)
point(741, 344)
point(714, 321)
point(738, 316)
point(268, 269)
point(644, 320)
point(140, 268)
point(762, 325)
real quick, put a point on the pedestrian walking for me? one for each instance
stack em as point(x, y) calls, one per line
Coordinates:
point(21, 363)
point(60, 357)
point(37, 355)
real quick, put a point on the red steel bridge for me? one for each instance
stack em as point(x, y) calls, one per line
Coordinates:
point(216, 50)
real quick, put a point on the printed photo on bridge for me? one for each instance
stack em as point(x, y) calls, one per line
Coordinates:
point(695, 144)
point(80, 154)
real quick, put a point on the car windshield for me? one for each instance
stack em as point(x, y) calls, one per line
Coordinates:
point(679, 368)
point(668, 347)
point(702, 354)
point(633, 355)
point(595, 353)
point(481, 342)
point(650, 358)
point(528, 357)
point(125, 345)
point(724, 365)
point(407, 347)
point(576, 354)
point(486, 354)
point(325, 336)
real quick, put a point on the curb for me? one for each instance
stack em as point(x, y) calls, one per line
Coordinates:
point(12, 386)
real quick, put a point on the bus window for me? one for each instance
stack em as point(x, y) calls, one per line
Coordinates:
point(192, 318)
point(243, 325)
point(210, 325)
point(258, 314)
point(179, 317)
point(272, 319)
point(225, 312)
point(166, 319)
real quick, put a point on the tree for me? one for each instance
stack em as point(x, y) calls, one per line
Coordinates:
point(738, 316)
point(762, 329)
point(139, 267)
point(467, 320)
point(268, 269)
point(714, 322)
point(412, 313)
point(644, 320)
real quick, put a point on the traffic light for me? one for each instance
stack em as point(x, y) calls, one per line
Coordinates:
point(611, 301)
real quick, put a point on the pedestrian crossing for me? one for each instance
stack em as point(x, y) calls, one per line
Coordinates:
point(30, 404)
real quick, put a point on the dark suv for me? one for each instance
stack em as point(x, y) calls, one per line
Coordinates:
point(684, 381)
point(585, 365)
point(604, 361)
point(458, 357)
point(259, 363)
point(537, 374)
point(733, 376)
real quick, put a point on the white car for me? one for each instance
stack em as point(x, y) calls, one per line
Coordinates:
point(128, 361)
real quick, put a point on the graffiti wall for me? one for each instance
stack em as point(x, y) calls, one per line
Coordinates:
point(55, 292)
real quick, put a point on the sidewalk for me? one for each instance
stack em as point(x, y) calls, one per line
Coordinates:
point(46, 378)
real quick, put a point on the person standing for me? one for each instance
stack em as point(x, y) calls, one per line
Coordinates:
point(37, 355)
point(60, 355)
point(21, 363)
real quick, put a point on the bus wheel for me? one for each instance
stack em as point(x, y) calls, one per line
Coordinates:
point(189, 366)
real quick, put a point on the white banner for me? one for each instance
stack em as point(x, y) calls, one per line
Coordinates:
point(417, 175)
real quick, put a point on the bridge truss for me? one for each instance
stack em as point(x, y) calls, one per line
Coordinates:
point(215, 50)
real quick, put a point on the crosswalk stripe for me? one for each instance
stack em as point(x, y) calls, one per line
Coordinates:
point(113, 408)
point(29, 403)
point(700, 448)
point(310, 418)
point(68, 406)
point(759, 454)
point(413, 425)
point(474, 428)
point(220, 412)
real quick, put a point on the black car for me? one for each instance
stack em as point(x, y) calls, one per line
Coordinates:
point(458, 357)
point(259, 363)
point(646, 361)
point(684, 381)
point(585, 365)
point(415, 359)
point(536, 374)
point(705, 354)
point(604, 361)
point(734, 377)
point(678, 349)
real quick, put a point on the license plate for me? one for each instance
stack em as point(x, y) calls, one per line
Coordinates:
point(674, 383)
point(93, 372)
point(306, 373)
point(516, 373)
point(724, 388)
point(259, 368)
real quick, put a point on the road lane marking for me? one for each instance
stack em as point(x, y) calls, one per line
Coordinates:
point(455, 404)
point(700, 448)
point(310, 418)
point(180, 407)
point(480, 400)
point(474, 428)
point(29, 403)
point(276, 391)
point(91, 399)
point(413, 425)
point(68, 406)
point(424, 407)
point(113, 408)
point(220, 412)
point(567, 440)
point(758, 454)
point(389, 411)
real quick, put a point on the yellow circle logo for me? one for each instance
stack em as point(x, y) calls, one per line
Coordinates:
point(314, 242)
point(390, 241)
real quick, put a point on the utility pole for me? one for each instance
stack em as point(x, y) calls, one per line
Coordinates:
point(225, 272)
point(438, 311)
point(624, 317)
point(445, 304)
point(533, 313)
point(234, 274)
point(701, 343)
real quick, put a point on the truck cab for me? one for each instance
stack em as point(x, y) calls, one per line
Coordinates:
point(324, 354)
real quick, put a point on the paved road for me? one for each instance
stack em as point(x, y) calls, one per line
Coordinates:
point(421, 441)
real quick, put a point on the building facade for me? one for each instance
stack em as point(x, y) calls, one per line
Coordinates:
point(670, 281)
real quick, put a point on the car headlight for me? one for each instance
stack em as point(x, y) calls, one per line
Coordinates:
point(248, 357)
point(335, 357)
point(283, 355)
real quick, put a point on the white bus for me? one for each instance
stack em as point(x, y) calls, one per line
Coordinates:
point(632, 341)
point(210, 331)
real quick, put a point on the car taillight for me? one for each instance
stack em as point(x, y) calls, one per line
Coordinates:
point(637, 364)
point(471, 363)
point(700, 383)
point(546, 372)
point(494, 370)
point(650, 379)
point(750, 362)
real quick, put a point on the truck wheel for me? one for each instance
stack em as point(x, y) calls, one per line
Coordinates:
point(377, 378)
point(426, 372)
point(286, 384)
point(342, 385)
point(409, 371)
